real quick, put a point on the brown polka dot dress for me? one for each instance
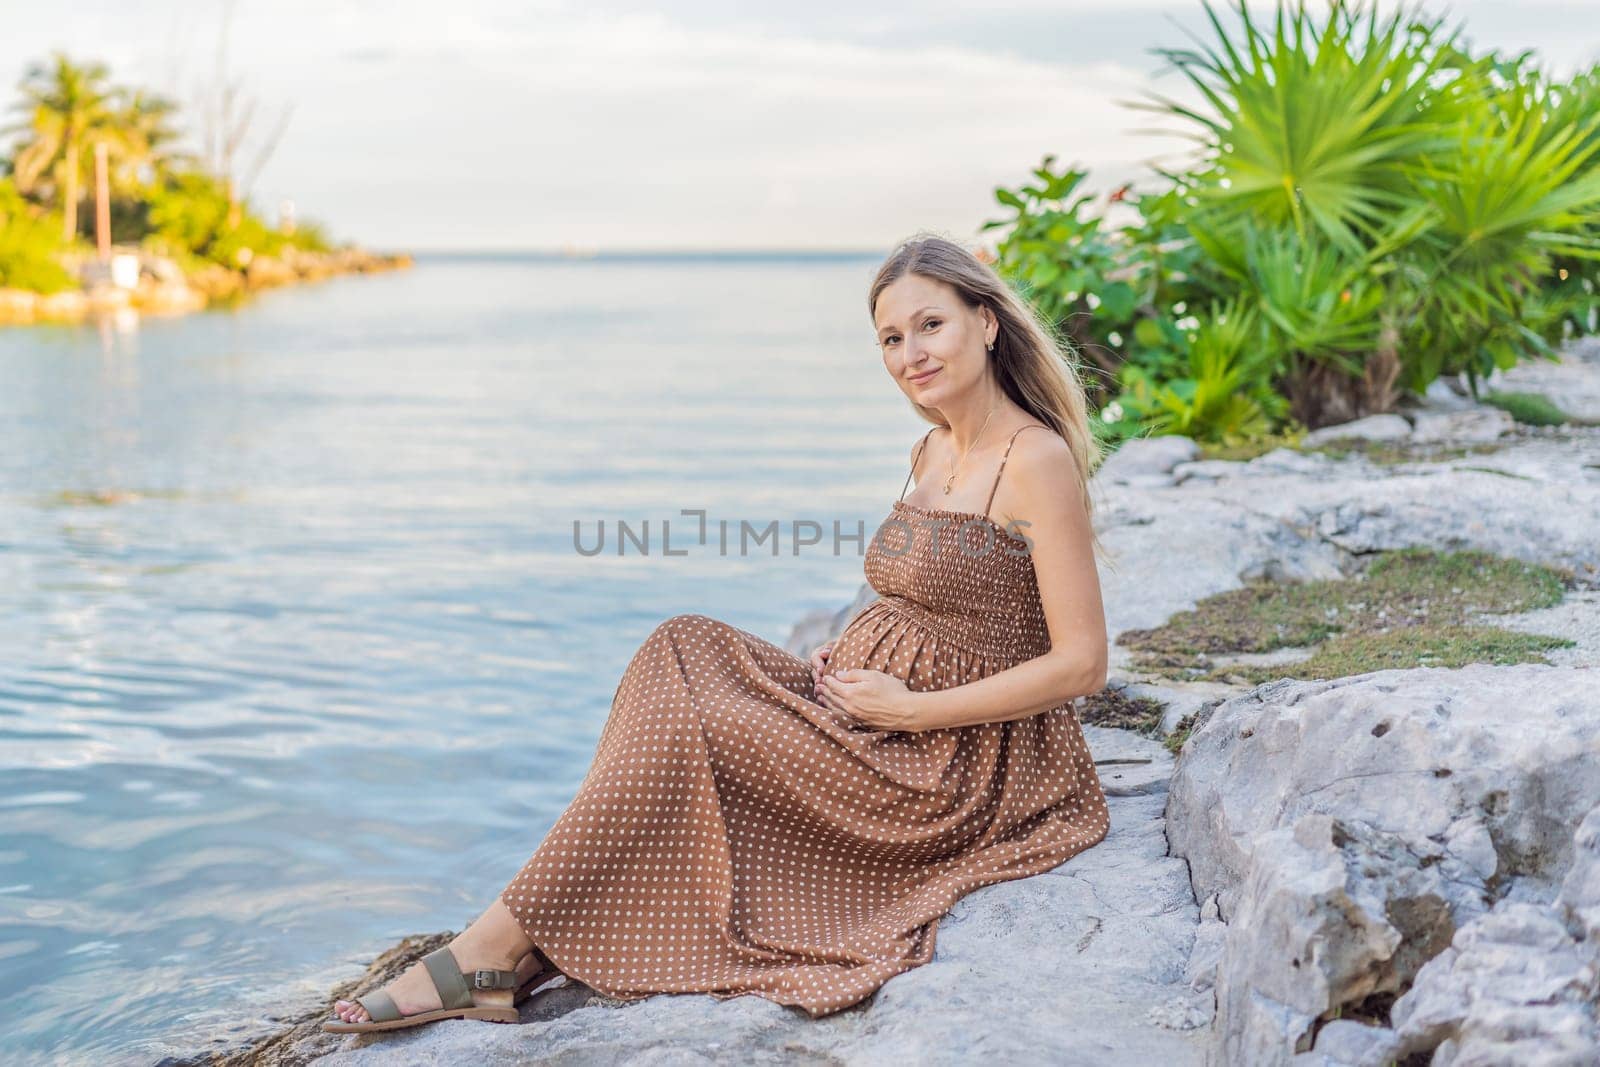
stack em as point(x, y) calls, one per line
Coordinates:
point(735, 836)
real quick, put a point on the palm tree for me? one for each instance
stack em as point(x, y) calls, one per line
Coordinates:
point(67, 108)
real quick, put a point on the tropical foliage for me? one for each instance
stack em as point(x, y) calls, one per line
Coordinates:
point(1369, 207)
point(161, 197)
point(30, 238)
point(189, 213)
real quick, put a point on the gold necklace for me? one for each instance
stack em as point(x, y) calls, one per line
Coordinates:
point(956, 466)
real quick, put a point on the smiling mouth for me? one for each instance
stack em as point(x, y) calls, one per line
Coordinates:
point(919, 379)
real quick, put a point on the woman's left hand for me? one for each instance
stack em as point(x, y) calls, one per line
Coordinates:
point(877, 699)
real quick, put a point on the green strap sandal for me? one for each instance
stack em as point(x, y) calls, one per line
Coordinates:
point(455, 988)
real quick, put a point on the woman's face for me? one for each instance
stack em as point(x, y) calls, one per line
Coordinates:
point(934, 346)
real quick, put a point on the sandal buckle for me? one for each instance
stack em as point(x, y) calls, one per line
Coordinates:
point(484, 979)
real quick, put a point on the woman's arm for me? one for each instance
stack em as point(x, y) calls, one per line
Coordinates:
point(1043, 482)
point(1036, 685)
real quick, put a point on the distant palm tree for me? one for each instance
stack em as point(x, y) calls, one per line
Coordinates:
point(67, 108)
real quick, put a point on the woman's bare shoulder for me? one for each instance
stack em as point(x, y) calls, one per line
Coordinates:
point(1041, 462)
point(927, 439)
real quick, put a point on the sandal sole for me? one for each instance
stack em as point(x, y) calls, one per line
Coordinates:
point(493, 1015)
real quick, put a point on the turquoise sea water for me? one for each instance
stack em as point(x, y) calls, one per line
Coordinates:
point(297, 654)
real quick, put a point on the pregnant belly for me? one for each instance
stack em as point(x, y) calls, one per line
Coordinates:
point(882, 638)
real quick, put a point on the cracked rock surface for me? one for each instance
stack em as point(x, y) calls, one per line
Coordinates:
point(1405, 834)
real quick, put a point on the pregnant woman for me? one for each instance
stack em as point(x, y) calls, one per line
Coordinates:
point(753, 823)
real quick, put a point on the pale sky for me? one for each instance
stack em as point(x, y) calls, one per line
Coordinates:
point(475, 124)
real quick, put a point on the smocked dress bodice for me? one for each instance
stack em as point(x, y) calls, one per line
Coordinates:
point(962, 575)
point(958, 599)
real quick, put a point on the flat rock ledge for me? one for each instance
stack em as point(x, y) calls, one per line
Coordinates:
point(1087, 963)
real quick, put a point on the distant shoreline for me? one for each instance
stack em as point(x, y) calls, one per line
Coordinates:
point(158, 286)
point(163, 289)
point(646, 253)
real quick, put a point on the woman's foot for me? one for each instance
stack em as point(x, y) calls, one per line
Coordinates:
point(494, 941)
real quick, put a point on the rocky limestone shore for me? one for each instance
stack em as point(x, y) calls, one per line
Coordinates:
point(1401, 866)
point(1400, 863)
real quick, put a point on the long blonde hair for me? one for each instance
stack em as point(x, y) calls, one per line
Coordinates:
point(1035, 364)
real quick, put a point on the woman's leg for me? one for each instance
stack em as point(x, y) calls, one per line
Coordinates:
point(655, 704)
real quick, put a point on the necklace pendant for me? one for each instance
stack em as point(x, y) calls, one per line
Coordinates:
point(946, 488)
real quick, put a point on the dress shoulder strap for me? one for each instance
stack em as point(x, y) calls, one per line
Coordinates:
point(915, 460)
point(1003, 458)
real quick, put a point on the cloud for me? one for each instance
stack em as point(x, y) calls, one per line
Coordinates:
point(633, 129)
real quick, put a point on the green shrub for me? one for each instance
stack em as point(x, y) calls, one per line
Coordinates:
point(30, 241)
point(1225, 395)
point(189, 211)
point(1381, 205)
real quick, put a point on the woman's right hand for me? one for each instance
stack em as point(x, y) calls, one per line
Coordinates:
point(819, 663)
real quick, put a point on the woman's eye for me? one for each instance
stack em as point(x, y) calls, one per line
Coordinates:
point(890, 339)
point(931, 322)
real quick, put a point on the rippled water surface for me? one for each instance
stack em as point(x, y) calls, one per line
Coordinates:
point(297, 654)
